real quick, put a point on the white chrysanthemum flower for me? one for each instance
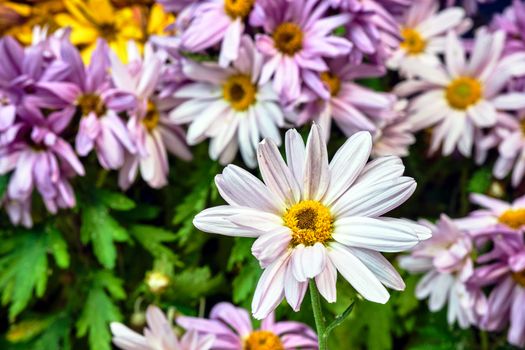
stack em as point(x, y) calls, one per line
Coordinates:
point(423, 30)
point(230, 106)
point(461, 97)
point(313, 218)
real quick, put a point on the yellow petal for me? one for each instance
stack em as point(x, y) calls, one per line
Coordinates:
point(79, 10)
point(102, 10)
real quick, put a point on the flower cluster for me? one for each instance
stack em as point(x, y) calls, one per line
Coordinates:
point(57, 110)
point(477, 264)
point(132, 88)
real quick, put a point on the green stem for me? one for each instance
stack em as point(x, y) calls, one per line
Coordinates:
point(484, 340)
point(318, 316)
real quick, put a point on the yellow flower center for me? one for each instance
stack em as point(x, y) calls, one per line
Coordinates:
point(238, 8)
point(288, 38)
point(332, 82)
point(513, 218)
point(463, 92)
point(310, 222)
point(239, 91)
point(519, 277)
point(151, 120)
point(91, 103)
point(263, 340)
point(413, 42)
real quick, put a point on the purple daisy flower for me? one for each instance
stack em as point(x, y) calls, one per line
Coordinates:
point(297, 39)
point(214, 22)
point(445, 261)
point(25, 72)
point(373, 28)
point(505, 269)
point(233, 329)
point(40, 159)
point(91, 93)
point(150, 127)
point(352, 106)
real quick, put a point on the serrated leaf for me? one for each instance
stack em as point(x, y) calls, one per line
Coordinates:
point(195, 282)
point(99, 310)
point(24, 268)
point(58, 247)
point(153, 238)
point(101, 229)
point(56, 336)
point(115, 200)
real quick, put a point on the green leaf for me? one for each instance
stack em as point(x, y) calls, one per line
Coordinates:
point(99, 310)
point(56, 335)
point(194, 202)
point(369, 327)
point(480, 181)
point(241, 251)
point(42, 333)
point(24, 267)
point(195, 282)
point(153, 238)
point(115, 200)
point(100, 228)
point(58, 247)
point(244, 283)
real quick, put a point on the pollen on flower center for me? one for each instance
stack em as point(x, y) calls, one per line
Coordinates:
point(151, 120)
point(288, 38)
point(238, 8)
point(332, 82)
point(463, 92)
point(513, 218)
point(519, 277)
point(239, 91)
point(310, 221)
point(263, 340)
point(91, 103)
point(413, 42)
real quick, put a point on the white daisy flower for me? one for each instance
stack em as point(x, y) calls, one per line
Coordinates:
point(313, 218)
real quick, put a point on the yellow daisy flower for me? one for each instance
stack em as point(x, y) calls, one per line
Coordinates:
point(18, 18)
point(158, 21)
point(93, 19)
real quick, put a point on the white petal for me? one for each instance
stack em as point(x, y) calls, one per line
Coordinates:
point(374, 234)
point(235, 183)
point(270, 245)
point(380, 266)
point(295, 154)
point(375, 200)
point(316, 172)
point(326, 282)
point(270, 288)
point(357, 274)
point(216, 220)
point(347, 164)
point(276, 174)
